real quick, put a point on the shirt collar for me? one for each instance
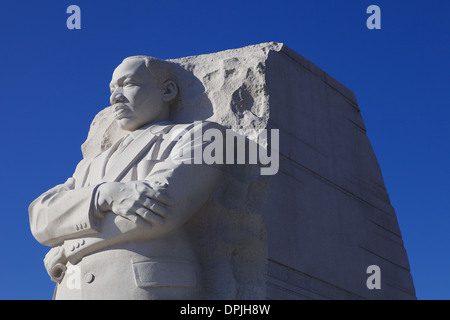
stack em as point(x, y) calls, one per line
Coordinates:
point(136, 133)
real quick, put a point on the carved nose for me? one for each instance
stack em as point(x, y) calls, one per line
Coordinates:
point(116, 97)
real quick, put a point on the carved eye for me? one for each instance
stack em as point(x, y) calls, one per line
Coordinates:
point(129, 82)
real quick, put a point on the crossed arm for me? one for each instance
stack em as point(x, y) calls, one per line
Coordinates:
point(115, 212)
point(120, 211)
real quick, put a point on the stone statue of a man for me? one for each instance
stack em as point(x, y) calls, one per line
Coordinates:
point(119, 221)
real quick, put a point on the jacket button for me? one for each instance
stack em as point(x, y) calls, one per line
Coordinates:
point(89, 277)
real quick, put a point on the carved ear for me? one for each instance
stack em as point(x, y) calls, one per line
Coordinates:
point(170, 91)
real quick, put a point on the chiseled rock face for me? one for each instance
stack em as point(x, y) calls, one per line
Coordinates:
point(227, 87)
point(311, 230)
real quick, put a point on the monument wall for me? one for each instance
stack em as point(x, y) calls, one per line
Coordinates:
point(328, 202)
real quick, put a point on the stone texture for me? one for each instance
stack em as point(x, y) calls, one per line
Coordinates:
point(311, 230)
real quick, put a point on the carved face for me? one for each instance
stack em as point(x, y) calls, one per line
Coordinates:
point(137, 99)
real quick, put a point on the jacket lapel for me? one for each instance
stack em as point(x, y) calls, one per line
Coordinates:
point(96, 169)
point(128, 158)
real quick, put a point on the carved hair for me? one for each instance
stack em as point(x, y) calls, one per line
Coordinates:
point(161, 70)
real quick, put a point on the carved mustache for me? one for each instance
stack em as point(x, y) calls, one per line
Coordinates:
point(120, 109)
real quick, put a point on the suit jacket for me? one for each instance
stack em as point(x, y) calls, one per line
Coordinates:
point(115, 258)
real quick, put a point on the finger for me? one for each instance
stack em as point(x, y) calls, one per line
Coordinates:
point(150, 216)
point(54, 253)
point(154, 206)
point(52, 262)
point(47, 258)
point(159, 196)
point(46, 261)
point(133, 217)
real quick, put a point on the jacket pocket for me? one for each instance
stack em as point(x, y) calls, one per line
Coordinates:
point(164, 272)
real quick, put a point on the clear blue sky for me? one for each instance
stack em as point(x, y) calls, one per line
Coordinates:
point(55, 80)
